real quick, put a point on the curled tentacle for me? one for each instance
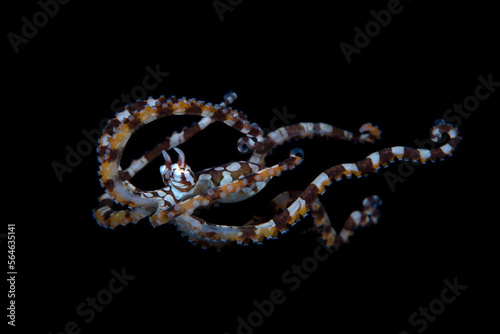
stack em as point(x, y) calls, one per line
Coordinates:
point(370, 164)
point(437, 131)
point(293, 207)
point(216, 236)
point(297, 152)
point(368, 133)
point(305, 201)
point(118, 131)
point(229, 98)
point(246, 144)
point(173, 140)
point(369, 215)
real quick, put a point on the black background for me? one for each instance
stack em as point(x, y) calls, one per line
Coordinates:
point(436, 225)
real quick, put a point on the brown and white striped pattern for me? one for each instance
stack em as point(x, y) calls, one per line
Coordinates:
point(216, 236)
point(174, 140)
point(367, 134)
point(236, 190)
point(119, 130)
point(361, 168)
point(238, 181)
point(307, 200)
point(322, 225)
point(170, 142)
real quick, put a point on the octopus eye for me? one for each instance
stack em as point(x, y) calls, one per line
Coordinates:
point(168, 161)
point(182, 157)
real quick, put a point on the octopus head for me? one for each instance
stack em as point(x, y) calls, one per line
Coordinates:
point(178, 175)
